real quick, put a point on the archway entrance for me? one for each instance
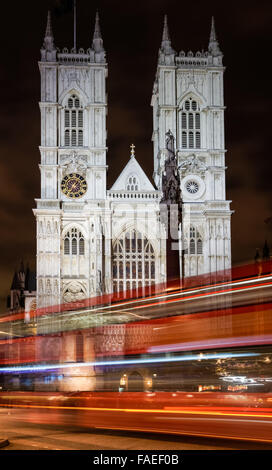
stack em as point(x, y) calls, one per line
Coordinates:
point(135, 382)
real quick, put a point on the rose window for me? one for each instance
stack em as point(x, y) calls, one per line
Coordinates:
point(192, 187)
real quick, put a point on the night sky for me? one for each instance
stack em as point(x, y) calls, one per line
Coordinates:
point(132, 34)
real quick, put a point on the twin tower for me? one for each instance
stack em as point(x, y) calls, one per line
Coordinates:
point(91, 239)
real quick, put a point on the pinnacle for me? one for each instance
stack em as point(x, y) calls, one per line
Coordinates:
point(213, 43)
point(97, 32)
point(49, 31)
point(48, 43)
point(166, 42)
point(212, 34)
point(97, 37)
point(165, 34)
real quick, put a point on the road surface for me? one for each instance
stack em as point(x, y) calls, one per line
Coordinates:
point(25, 435)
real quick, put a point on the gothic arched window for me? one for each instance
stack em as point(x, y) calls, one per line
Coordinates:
point(74, 243)
point(195, 245)
point(133, 261)
point(73, 123)
point(132, 183)
point(190, 124)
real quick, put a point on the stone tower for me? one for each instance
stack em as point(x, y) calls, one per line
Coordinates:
point(188, 100)
point(70, 213)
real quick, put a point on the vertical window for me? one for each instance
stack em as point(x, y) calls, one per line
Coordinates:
point(67, 119)
point(191, 140)
point(74, 243)
point(199, 246)
point(190, 125)
point(195, 242)
point(133, 261)
point(74, 246)
point(66, 245)
point(73, 123)
point(74, 138)
point(184, 140)
point(80, 138)
point(67, 138)
point(192, 246)
point(81, 245)
point(197, 139)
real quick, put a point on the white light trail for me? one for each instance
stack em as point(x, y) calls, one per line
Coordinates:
point(191, 357)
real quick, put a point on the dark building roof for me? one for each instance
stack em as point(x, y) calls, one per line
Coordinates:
point(24, 279)
point(30, 280)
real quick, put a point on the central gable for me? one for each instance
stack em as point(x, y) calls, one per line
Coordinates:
point(133, 178)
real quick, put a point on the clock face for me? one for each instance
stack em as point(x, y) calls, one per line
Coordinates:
point(74, 186)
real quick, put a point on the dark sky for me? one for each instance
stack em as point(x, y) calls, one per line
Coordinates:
point(132, 34)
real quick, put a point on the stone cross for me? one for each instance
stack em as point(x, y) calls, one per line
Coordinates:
point(132, 150)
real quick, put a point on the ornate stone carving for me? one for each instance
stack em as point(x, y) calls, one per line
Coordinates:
point(70, 78)
point(192, 164)
point(74, 163)
point(74, 291)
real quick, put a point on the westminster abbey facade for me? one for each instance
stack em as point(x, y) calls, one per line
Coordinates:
point(93, 240)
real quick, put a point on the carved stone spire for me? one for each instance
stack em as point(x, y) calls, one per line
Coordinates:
point(213, 43)
point(165, 34)
point(166, 52)
point(97, 45)
point(48, 51)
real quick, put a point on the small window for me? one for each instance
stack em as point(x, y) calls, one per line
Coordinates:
point(74, 246)
point(67, 118)
point(74, 138)
point(195, 243)
point(80, 138)
point(198, 140)
point(184, 139)
point(192, 246)
point(199, 246)
point(67, 138)
point(81, 246)
point(80, 118)
point(192, 186)
point(191, 140)
point(74, 119)
point(132, 183)
point(73, 123)
point(66, 246)
point(190, 125)
point(74, 243)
